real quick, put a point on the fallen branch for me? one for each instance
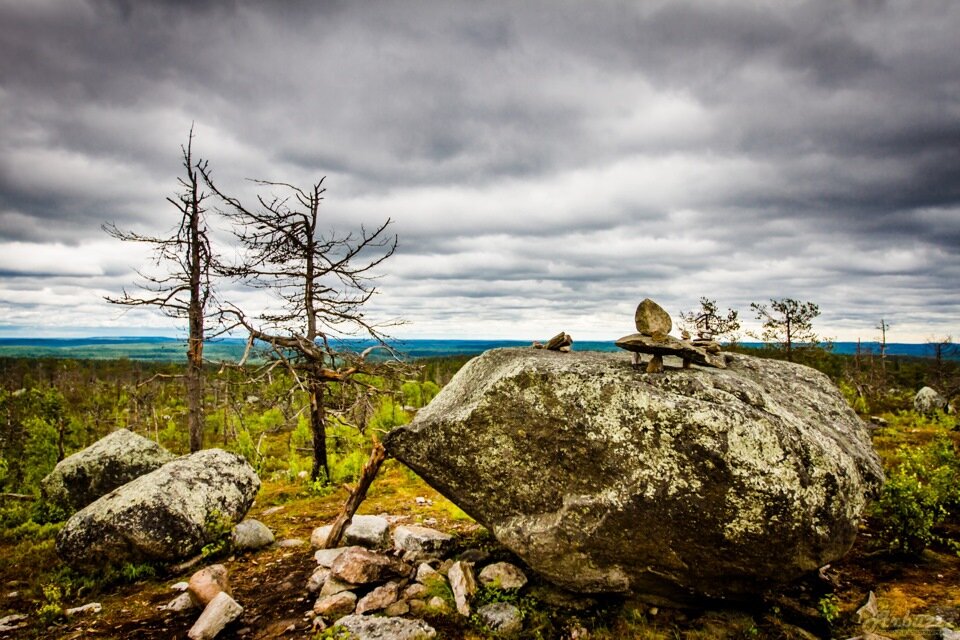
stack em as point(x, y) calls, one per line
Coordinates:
point(377, 455)
point(18, 496)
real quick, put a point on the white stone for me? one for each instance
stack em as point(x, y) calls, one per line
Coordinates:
point(93, 607)
point(326, 557)
point(501, 618)
point(503, 575)
point(221, 611)
point(181, 603)
point(317, 579)
point(372, 532)
point(421, 543)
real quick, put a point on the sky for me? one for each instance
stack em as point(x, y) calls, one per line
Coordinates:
point(545, 165)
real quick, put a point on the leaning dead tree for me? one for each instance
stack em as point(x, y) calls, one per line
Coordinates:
point(322, 283)
point(185, 289)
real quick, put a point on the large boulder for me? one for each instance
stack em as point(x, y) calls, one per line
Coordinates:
point(672, 486)
point(110, 462)
point(165, 515)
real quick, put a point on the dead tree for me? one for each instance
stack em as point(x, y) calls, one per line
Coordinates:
point(322, 282)
point(186, 288)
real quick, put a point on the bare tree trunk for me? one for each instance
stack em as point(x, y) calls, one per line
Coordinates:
point(318, 429)
point(377, 455)
point(194, 385)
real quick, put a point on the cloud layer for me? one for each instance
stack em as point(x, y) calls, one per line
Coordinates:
point(547, 165)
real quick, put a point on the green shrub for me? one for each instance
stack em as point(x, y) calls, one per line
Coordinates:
point(920, 492)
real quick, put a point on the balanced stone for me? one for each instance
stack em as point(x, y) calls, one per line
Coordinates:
point(669, 346)
point(652, 319)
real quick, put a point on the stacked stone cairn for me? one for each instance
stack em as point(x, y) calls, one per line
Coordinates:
point(653, 337)
point(399, 576)
point(561, 342)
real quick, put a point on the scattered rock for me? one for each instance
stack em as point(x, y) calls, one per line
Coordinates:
point(376, 628)
point(272, 510)
point(424, 571)
point(12, 622)
point(336, 606)
point(503, 575)
point(360, 566)
point(205, 584)
point(317, 579)
point(333, 586)
point(417, 591)
point(372, 532)
point(651, 319)
point(164, 515)
point(949, 634)
point(221, 611)
point(380, 598)
point(463, 585)
point(421, 543)
point(182, 602)
point(501, 617)
point(93, 607)
point(289, 543)
point(107, 464)
point(326, 557)
point(251, 535)
point(928, 401)
point(180, 586)
point(437, 605)
point(560, 458)
point(399, 608)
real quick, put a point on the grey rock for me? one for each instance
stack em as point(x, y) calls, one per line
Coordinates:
point(398, 608)
point(670, 346)
point(501, 617)
point(332, 586)
point(741, 477)
point(317, 579)
point(107, 464)
point(438, 605)
point(221, 611)
point(424, 571)
point(361, 566)
point(421, 543)
point(372, 532)
point(250, 535)
point(928, 401)
point(336, 605)
point(326, 557)
point(290, 543)
point(166, 515)
point(417, 591)
point(375, 628)
point(949, 634)
point(463, 584)
point(503, 575)
point(92, 607)
point(182, 602)
point(650, 318)
point(380, 598)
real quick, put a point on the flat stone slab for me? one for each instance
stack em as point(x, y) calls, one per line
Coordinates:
point(670, 346)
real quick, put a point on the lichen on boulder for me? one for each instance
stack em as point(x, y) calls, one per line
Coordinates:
point(698, 482)
point(110, 462)
point(165, 515)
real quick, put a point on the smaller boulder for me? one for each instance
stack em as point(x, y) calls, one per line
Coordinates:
point(107, 464)
point(332, 586)
point(361, 566)
point(503, 575)
point(928, 401)
point(372, 532)
point(317, 579)
point(335, 606)
point(221, 611)
point(501, 618)
point(424, 571)
point(421, 543)
point(182, 602)
point(250, 535)
point(398, 608)
point(205, 584)
point(376, 628)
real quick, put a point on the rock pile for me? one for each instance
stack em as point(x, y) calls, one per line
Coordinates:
point(928, 401)
point(561, 342)
point(653, 337)
point(406, 581)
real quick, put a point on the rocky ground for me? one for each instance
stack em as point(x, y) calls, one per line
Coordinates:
point(916, 598)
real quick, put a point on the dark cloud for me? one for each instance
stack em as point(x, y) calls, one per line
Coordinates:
point(545, 163)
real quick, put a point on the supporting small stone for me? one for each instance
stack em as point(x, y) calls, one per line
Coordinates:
point(367, 474)
point(656, 364)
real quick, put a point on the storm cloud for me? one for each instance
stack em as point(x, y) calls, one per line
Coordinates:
point(546, 164)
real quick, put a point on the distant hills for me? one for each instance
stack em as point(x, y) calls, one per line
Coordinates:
point(161, 349)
